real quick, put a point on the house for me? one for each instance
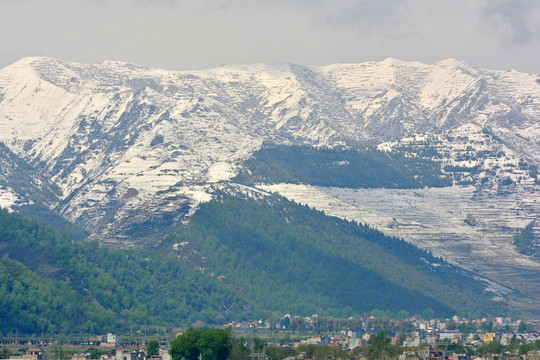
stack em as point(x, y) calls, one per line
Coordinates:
point(452, 336)
point(137, 355)
point(31, 354)
point(82, 356)
point(258, 356)
point(437, 355)
point(408, 354)
point(412, 342)
point(317, 340)
point(432, 340)
point(122, 354)
point(34, 354)
point(355, 342)
point(164, 353)
point(109, 341)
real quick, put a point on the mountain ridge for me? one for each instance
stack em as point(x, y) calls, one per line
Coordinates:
point(130, 145)
point(87, 126)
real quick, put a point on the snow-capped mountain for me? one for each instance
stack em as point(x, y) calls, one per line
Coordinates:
point(22, 185)
point(134, 148)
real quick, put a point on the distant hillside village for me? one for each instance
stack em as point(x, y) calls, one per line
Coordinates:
point(308, 338)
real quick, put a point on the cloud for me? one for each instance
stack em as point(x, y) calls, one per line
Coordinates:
point(194, 34)
point(514, 21)
point(382, 18)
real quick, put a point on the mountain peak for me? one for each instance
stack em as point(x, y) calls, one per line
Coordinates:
point(27, 60)
point(454, 63)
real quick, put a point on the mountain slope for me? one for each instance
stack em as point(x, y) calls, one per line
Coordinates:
point(100, 287)
point(341, 167)
point(21, 184)
point(134, 150)
point(282, 254)
point(265, 256)
point(113, 135)
point(32, 304)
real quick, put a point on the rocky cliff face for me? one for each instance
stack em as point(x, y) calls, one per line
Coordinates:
point(20, 184)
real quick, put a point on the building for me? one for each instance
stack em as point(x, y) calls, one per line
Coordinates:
point(31, 354)
point(122, 355)
point(80, 357)
point(164, 353)
point(137, 355)
point(258, 356)
point(412, 342)
point(110, 341)
point(355, 342)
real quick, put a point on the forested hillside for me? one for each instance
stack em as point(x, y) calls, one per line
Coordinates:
point(342, 167)
point(289, 257)
point(239, 257)
point(32, 304)
point(99, 287)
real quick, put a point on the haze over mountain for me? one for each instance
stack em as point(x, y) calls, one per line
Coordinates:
point(133, 149)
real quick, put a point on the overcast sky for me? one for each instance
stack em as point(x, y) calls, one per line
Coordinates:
point(196, 34)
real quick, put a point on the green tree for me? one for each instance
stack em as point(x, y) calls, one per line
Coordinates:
point(470, 220)
point(258, 344)
point(402, 314)
point(152, 348)
point(297, 323)
point(5, 353)
point(321, 352)
point(185, 345)
point(278, 353)
point(525, 348)
point(514, 344)
point(467, 328)
point(239, 350)
point(381, 348)
point(493, 347)
point(95, 353)
point(427, 314)
point(456, 347)
point(212, 344)
point(486, 326)
point(286, 322)
point(451, 325)
point(215, 344)
point(524, 241)
point(401, 337)
point(59, 352)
